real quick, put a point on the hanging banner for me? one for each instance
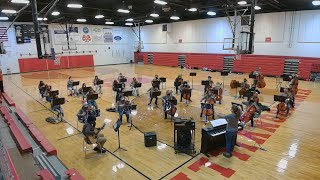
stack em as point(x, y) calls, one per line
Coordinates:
point(117, 35)
point(74, 35)
point(97, 35)
point(86, 37)
point(107, 35)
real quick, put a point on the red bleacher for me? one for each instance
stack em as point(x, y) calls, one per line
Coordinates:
point(41, 140)
point(214, 62)
point(73, 174)
point(24, 119)
point(23, 144)
point(45, 174)
point(165, 59)
point(8, 99)
point(11, 166)
point(5, 113)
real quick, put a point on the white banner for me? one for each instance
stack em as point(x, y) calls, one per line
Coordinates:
point(107, 35)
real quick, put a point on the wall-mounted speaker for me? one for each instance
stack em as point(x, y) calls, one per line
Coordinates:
point(166, 27)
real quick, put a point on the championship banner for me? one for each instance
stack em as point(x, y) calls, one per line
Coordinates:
point(97, 35)
point(107, 35)
point(86, 37)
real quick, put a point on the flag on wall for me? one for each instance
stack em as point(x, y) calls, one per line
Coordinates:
point(3, 34)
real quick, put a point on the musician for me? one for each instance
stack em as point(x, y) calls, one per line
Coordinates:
point(209, 99)
point(254, 101)
point(217, 87)
point(135, 89)
point(178, 80)
point(166, 103)
point(57, 108)
point(257, 73)
point(46, 93)
point(210, 84)
point(91, 102)
point(81, 91)
point(89, 131)
point(123, 108)
point(96, 85)
point(119, 80)
point(184, 86)
point(153, 89)
point(244, 87)
point(70, 87)
point(289, 102)
point(42, 89)
point(83, 113)
point(117, 90)
point(156, 81)
point(232, 129)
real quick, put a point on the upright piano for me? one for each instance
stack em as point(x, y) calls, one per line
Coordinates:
point(214, 137)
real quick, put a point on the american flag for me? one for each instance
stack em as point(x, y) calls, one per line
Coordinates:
point(3, 34)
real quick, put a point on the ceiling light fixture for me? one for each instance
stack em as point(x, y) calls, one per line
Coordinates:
point(99, 16)
point(149, 21)
point(193, 9)
point(128, 24)
point(74, 6)
point(154, 15)
point(81, 20)
point(3, 18)
point(211, 13)
point(109, 23)
point(9, 11)
point(130, 19)
point(42, 19)
point(242, 2)
point(174, 18)
point(123, 11)
point(316, 3)
point(20, 1)
point(55, 13)
point(160, 2)
point(257, 7)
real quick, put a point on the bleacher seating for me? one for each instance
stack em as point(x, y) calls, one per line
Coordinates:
point(5, 113)
point(41, 140)
point(23, 144)
point(45, 174)
point(73, 174)
point(8, 99)
point(24, 119)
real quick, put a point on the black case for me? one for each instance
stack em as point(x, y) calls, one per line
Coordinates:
point(150, 139)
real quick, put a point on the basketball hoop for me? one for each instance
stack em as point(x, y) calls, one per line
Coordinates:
point(57, 58)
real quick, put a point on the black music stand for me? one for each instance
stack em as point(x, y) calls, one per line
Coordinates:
point(238, 84)
point(86, 89)
point(75, 83)
point(57, 102)
point(156, 83)
point(224, 74)
point(132, 107)
point(127, 93)
point(173, 101)
point(192, 74)
point(123, 80)
point(279, 98)
point(118, 86)
point(137, 85)
point(163, 80)
point(251, 76)
point(53, 93)
point(93, 97)
point(99, 82)
point(156, 94)
point(116, 128)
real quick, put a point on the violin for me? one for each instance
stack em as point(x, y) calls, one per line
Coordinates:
point(260, 81)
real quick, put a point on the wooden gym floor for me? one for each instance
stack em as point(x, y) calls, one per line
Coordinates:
point(292, 144)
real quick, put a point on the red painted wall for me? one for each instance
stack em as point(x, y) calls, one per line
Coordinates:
point(270, 65)
point(35, 64)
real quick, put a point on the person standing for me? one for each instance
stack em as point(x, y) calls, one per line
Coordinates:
point(1, 81)
point(231, 130)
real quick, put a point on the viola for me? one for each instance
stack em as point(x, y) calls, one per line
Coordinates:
point(261, 83)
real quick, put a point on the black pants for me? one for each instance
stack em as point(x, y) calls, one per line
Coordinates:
point(152, 99)
point(251, 120)
point(1, 86)
point(177, 89)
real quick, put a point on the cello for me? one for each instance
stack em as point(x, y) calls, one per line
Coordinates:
point(233, 84)
point(260, 81)
point(246, 116)
point(244, 89)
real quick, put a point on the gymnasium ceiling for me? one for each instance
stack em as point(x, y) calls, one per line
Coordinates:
point(140, 9)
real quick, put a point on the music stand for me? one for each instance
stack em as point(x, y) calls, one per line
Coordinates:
point(86, 89)
point(132, 107)
point(163, 80)
point(192, 74)
point(92, 97)
point(99, 82)
point(127, 93)
point(75, 83)
point(116, 128)
point(279, 98)
point(238, 84)
point(137, 85)
point(224, 74)
point(251, 76)
point(53, 93)
point(57, 102)
point(118, 86)
point(123, 80)
point(173, 101)
point(156, 94)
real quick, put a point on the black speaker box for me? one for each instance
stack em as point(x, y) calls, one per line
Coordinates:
point(150, 139)
point(164, 27)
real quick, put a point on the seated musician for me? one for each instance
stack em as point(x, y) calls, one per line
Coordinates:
point(244, 87)
point(57, 108)
point(92, 102)
point(83, 113)
point(217, 87)
point(119, 80)
point(70, 87)
point(232, 129)
point(153, 89)
point(257, 73)
point(46, 93)
point(156, 81)
point(96, 85)
point(253, 101)
point(289, 102)
point(42, 89)
point(208, 98)
point(184, 86)
point(117, 90)
point(135, 89)
point(81, 91)
point(123, 108)
point(166, 103)
point(91, 137)
point(210, 84)
point(178, 80)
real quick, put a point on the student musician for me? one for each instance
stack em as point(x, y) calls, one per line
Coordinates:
point(46, 93)
point(96, 85)
point(57, 108)
point(117, 90)
point(232, 129)
point(82, 92)
point(288, 103)
point(123, 107)
point(135, 89)
point(156, 82)
point(70, 87)
point(83, 113)
point(166, 104)
point(184, 88)
point(92, 102)
point(119, 80)
point(207, 87)
point(208, 98)
point(91, 135)
point(42, 89)
point(253, 101)
point(257, 73)
point(244, 88)
point(217, 87)
point(177, 81)
point(152, 90)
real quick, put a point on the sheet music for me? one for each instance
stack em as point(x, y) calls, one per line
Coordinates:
point(218, 122)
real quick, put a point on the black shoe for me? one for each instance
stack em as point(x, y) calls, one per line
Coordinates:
point(225, 154)
point(103, 150)
point(149, 104)
point(96, 149)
